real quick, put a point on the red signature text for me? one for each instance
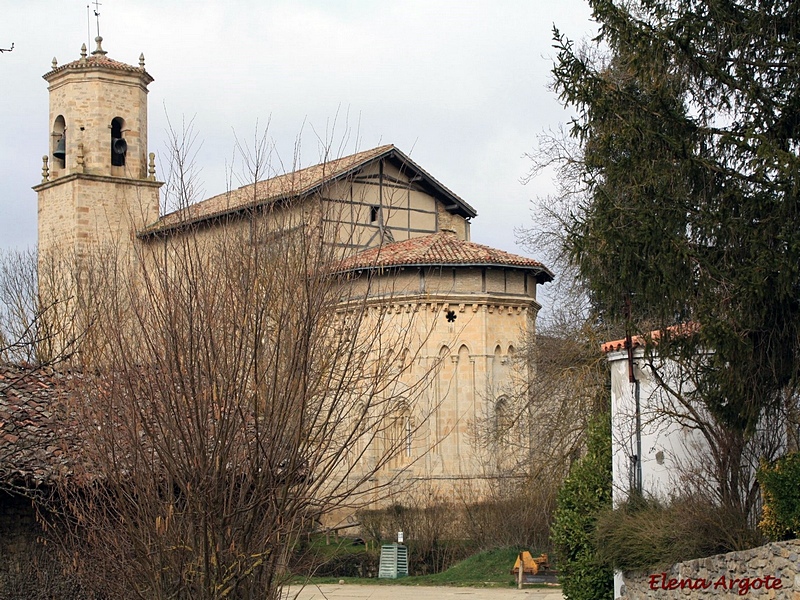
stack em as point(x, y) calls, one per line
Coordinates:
point(742, 585)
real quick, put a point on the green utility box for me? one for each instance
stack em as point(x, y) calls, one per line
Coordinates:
point(394, 561)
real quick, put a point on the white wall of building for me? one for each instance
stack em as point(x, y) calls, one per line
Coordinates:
point(667, 447)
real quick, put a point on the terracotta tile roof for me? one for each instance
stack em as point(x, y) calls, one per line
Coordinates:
point(443, 248)
point(638, 341)
point(44, 433)
point(295, 184)
point(613, 346)
point(98, 62)
point(36, 444)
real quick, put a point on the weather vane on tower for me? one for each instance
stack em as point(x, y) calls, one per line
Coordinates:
point(97, 6)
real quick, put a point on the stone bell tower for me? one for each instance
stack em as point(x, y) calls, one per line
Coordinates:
point(98, 187)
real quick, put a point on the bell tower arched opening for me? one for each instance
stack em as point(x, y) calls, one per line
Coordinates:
point(59, 143)
point(119, 147)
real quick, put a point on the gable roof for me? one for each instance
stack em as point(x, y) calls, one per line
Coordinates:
point(441, 249)
point(303, 183)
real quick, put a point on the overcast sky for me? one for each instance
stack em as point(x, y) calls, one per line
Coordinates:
point(460, 86)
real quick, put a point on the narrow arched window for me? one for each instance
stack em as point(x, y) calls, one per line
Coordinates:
point(119, 147)
point(408, 433)
point(401, 436)
point(503, 421)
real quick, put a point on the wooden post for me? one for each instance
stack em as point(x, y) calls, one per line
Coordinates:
point(521, 569)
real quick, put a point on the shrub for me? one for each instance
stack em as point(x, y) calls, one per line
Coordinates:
point(585, 493)
point(431, 528)
point(644, 533)
point(779, 487)
point(347, 564)
point(346, 557)
point(35, 572)
point(513, 516)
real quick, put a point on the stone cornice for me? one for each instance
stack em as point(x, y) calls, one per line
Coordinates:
point(459, 303)
point(97, 178)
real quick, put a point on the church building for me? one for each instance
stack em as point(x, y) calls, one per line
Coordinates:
point(395, 225)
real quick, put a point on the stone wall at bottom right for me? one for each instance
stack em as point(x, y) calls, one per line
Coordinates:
point(771, 571)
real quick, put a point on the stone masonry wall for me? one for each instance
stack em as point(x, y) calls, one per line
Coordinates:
point(771, 571)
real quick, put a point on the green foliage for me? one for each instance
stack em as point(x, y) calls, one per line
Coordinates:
point(682, 204)
point(779, 485)
point(688, 120)
point(645, 534)
point(586, 492)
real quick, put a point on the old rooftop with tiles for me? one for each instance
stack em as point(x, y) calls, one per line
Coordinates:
point(37, 435)
point(441, 249)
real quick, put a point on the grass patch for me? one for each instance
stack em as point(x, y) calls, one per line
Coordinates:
point(490, 567)
point(486, 569)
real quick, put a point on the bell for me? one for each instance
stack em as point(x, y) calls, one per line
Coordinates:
point(61, 149)
point(119, 146)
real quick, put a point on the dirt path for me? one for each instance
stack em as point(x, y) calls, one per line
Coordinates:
point(402, 592)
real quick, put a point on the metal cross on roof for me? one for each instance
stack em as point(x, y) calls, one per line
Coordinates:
point(97, 6)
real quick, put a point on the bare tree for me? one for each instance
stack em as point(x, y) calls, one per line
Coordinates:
point(532, 435)
point(559, 377)
point(721, 462)
point(236, 390)
point(35, 330)
point(33, 436)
